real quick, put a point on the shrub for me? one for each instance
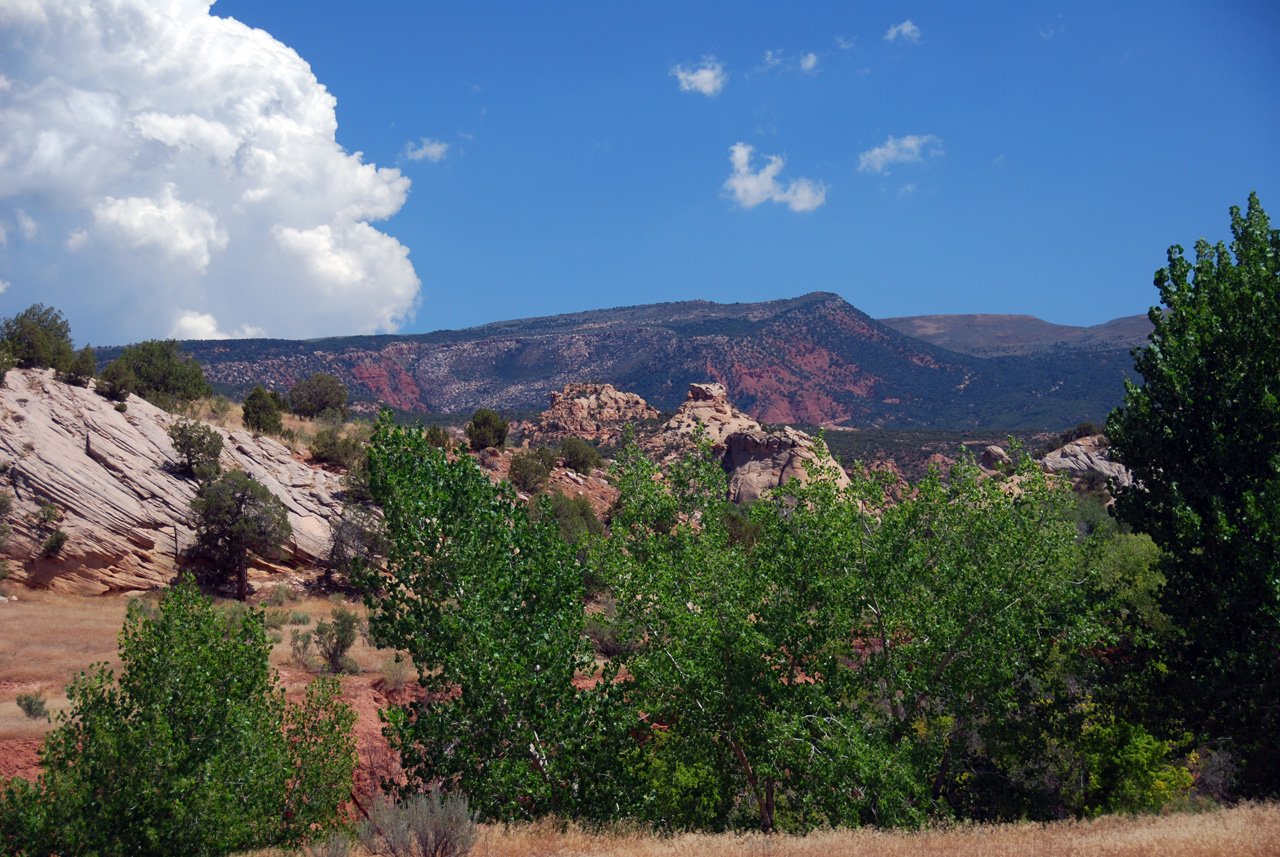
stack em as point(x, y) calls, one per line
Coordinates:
point(575, 516)
point(198, 447)
point(527, 472)
point(81, 369)
point(335, 639)
point(48, 513)
point(487, 429)
point(317, 394)
point(430, 825)
point(357, 537)
point(579, 455)
point(332, 447)
point(121, 407)
point(32, 705)
point(38, 338)
point(438, 437)
point(159, 372)
point(280, 595)
point(117, 381)
point(54, 544)
point(192, 750)
point(7, 362)
point(261, 412)
point(234, 515)
point(300, 647)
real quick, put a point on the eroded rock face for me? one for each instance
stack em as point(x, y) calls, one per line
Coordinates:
point(125, 511)
point(756, 460)
point(592, 411)
point(760, 461)
point(1084, 457)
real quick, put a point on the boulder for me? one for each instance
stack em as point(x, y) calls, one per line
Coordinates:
point(108, 477)
point(1088, 455)
point(705, 404)
point(759, 461)
point(595, 411)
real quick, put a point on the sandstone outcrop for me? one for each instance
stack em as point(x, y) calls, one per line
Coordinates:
point(1084, 457)
point(755, 459)
point(591, 411)
point(106, 479)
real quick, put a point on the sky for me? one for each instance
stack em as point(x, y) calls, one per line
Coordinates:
point(320, 168)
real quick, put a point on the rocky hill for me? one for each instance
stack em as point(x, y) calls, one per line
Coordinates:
point(76, 464)
point(1018, 335)
point(813, 359)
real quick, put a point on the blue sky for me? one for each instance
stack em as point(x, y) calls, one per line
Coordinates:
point(926, 158)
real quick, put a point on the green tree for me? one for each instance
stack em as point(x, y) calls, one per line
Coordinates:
point(489, 606)
point(235, 515)
point(1201, 435)
point(579, 455)
point(262, 413)
point(161, 373)
point(82, 368)
point(117, 381)
point(527, 472)
point(7, 362)
point(487, 429)
point(318, 393)
point(192, 751)
point(198, 447)
point(836, 667)
point(38, 338)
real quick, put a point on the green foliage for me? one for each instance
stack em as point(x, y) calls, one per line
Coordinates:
point(7, 362)
point(117, 382)
point(331, 446)
point(198, 447)
point(81, 369)
point(527, 472)
point(1202, 437)
point(48, 513)
point(38, 338)
point(159, 372)
point(33, 706)
point(838, 668)
point(318, 393)
point(191, 751)
point(262, 413)
point(437, 436)
point(53, 545)
point(579, 455)
point(234, 515)
point(489, 606)
point(335, 639)
point(573, 515)
point(1127, 770)
point(487, 429)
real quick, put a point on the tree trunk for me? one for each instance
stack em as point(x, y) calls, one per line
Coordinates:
point(242, 575)
point(766, 808)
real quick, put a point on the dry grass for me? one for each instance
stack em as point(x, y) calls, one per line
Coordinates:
point(1250, 830)
point(45, 639)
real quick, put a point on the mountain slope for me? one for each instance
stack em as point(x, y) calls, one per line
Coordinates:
point(1013, 335)
point(812, 359)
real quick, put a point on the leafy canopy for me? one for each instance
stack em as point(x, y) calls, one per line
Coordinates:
point(1202, 437)
point(487, 429)
point(262, 412)
point(235, 515)
point(158, 371)
point(38, 338)
point(317, 394)
point(192, 750)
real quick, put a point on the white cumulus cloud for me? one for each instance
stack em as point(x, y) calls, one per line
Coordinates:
point(176, 173)
point(809, 62)
point(708, 78)
point(432, 150)
point(749, 189)
point(907, 30)
point(899, 150)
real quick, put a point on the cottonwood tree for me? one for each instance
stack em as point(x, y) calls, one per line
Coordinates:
point(235, 515)
point(1201, 435)
point(191, 750)
point(832, 667)
point(489, 606)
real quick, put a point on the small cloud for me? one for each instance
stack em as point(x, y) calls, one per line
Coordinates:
point(708, 78)
point(846, 44)
point(907, 189)
point(202, 325)
point(749, 189)
point(998, 162)
point(76, 239)
point(907, 30)
point(4, 284)
point(899, 150)
point(1052, 30)
point(809, 62)
point(26, 224)
point(772, 59)
point(432, 150)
